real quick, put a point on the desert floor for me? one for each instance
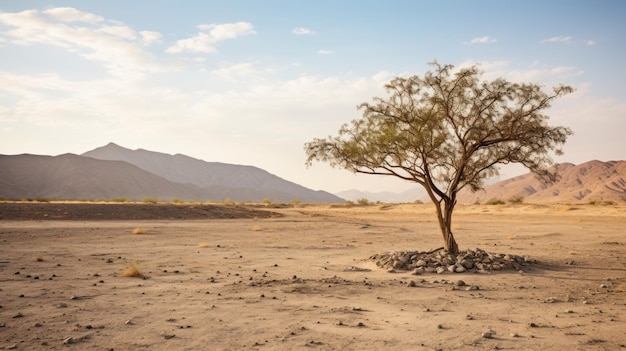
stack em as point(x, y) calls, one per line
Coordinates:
point(300, 278)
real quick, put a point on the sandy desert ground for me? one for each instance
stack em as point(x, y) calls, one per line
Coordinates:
point(301, 279)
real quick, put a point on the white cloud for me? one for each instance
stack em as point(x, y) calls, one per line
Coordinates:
point(481, 40)
point(536, 72)
point(69, 14)
point(213, 33)
point(302, 31)
point(590, 42)
point(121, 32)
point(115, 47)
point(324, 52)
point(149, 37)
point(558, 39)
point(232, 71)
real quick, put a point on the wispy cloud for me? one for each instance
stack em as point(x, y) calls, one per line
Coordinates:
point(302, 31)
point(149, 37)
point(117, 47)
point(536, 72)
point(211, 34)
point(481, 40)
point(324, 52)
point(232, 71)
point(590, 42)
point(558, 39)
point(69, 14)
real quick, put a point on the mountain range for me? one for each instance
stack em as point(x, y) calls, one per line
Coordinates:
point(113, 171)
point(592, 181)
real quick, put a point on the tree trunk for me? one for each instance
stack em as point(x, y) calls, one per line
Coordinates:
point(445, 223)
point(450, 244)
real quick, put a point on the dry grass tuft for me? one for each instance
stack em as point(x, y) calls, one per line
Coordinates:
point(256, 228)
point(134, 270)
point(140, 230)
point(203, 245)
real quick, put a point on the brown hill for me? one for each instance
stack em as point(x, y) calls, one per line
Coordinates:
point(587, 182)
point(222, 180)
point(71, 176)
point(113, 172)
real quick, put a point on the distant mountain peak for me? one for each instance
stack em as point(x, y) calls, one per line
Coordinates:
point(232, 181)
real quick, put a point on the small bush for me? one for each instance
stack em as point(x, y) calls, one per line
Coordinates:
point(134, 270)
point(295, 201)
point(495, 202)
point(150, 200)
point(363, 201)
point(518, 199)
point(140, 231)
point(42, 199)
point(119, 199)
point(227, 201)
point(267, 201)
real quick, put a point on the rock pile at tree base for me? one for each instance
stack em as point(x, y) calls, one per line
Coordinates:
point(439, 261)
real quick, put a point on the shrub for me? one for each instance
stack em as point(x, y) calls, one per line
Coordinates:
point(495, 202)
point(150, 200)
point(517, 199)
point(362, 201)
point(133, 270)
point(140, 230)
point(42, 199)
point(267, 201)
point(119, 199)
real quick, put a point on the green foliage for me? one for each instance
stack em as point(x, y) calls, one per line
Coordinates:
point(448, 130)
point(266, 201)
point(363, 201)
point(494, 202)
point(42, 199)
point(150, 200)
point(601, 203)
point(119, 199)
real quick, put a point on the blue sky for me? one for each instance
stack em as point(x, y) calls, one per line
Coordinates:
point(249, 82)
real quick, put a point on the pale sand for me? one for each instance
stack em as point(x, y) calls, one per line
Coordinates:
point(304, 282)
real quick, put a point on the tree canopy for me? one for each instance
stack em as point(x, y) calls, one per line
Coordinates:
point(446, 131)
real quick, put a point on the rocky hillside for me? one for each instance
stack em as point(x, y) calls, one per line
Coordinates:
point(587, 182)
point(113, 171)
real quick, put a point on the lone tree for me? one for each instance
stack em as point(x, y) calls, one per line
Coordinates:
point(446, 131)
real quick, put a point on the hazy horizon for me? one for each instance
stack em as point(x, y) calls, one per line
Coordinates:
point(250, 82)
